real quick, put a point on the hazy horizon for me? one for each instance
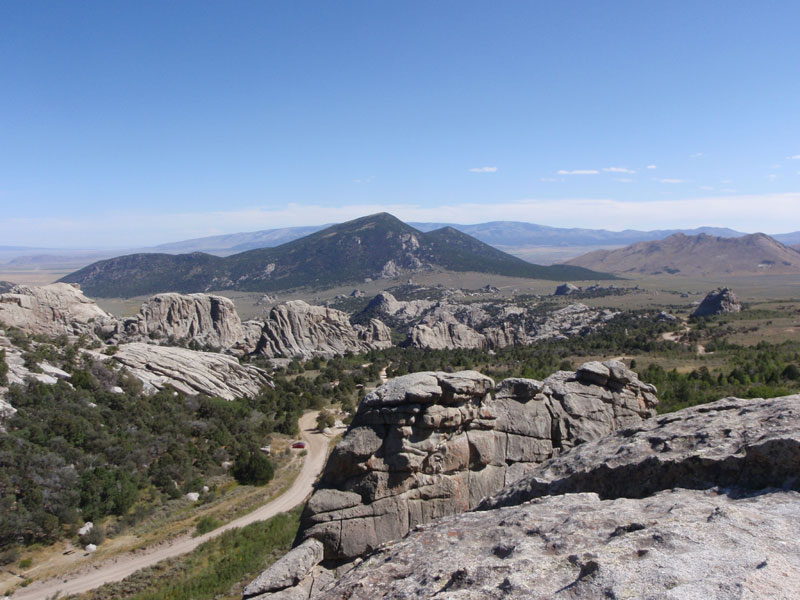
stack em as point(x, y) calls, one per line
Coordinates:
point(137, 124)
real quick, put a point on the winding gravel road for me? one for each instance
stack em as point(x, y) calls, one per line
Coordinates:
point(121, 566)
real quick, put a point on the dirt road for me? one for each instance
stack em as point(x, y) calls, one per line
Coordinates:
point(122, 566)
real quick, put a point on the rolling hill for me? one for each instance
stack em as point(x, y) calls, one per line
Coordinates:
point(696, 255)
point(370, 247)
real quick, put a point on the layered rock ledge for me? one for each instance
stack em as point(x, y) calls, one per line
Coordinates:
point(432, 444)
point(697, 504)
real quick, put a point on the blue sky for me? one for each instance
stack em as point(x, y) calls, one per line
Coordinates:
point(131, 123)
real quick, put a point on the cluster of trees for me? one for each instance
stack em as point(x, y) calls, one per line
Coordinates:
point(3, 367)
point(81, 452)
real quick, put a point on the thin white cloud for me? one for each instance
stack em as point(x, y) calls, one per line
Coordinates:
point(651, 167)
point(763, 212)
point(624, 179)
point(483, 170)
point(795, 157)
point(619, 170)
point(696, 155)
point(772, 177)
point(706, 188)
point(577, 172)
point(668, 180)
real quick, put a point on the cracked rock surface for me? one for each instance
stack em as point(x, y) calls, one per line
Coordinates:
point(697, 504)
point(681, 544)
point(433, 444)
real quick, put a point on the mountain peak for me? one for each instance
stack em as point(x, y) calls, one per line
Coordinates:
point(374, 246)
point(697, 255)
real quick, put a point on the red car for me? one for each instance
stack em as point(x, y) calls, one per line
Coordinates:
point(298, 445)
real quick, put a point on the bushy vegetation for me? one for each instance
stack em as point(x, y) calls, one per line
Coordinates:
point(218, 568)
point(3, 367)
point(81, 452)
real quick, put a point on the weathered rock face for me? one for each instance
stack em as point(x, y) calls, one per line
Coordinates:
point(297, 329)
point(189, 371)
point(565, 289)
point(207, 320)
point(386, 304)
point(441, 334)
point(575, 319)
point(722, 300)
point(288, 571)
point(751, 444)
point(681, 545)
point(431, 444)
point(638, 532)
point(52, 310)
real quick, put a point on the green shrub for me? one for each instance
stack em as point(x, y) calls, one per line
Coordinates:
point(3, 367)
point(253, 467)
point(206, 524)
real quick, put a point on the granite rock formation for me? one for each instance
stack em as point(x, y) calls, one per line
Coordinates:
point(188, 371)
point(694, 504)
point(678, 545)
point(201, 318)
point(722, 300)
point(431, 444)
point(52, 310)
point(447, 324)
point(565, 289)
point(298, 329)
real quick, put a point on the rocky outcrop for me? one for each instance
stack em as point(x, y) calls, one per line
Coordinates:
point(432, 444)
point(201, 318)
point(288, 571)
point(695, 504)
point(750, 444)
point(188, 371)
point(575, 319)
point(386, 304)
point(565, 289)
point(52, 310)
point(298, 329)
point(441, 335)
point(722, 300)
point(681, 545)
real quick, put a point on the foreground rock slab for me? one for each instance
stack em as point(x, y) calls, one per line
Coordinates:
point(701, 503)
point(682, 545)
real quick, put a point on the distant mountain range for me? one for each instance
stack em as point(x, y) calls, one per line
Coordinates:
point(501, 234)
point(514, 237)
point(377, 246)
point(697, 256)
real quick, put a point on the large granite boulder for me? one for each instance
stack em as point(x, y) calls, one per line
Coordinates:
point(188, 371)
point(565, 289)
point(298, 329)
point(442, 334)
point(431, 444)
point(53, 310)
point(202, 318)
point(697, 504)
point(720, 301)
